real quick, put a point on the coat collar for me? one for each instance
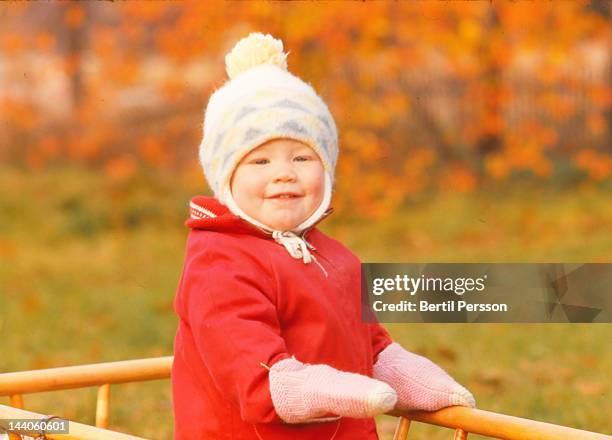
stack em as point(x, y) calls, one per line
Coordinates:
point(210, 214)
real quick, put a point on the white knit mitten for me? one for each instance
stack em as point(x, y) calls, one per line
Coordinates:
point(303, 393)
point(420, 384)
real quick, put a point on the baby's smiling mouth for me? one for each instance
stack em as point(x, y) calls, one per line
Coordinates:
point(285, 196)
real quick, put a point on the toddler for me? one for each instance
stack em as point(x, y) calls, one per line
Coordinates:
point(270, 342)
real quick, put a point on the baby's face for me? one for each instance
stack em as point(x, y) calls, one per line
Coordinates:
point(280, 183)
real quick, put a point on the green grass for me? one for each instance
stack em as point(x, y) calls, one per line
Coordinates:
point(88, 270)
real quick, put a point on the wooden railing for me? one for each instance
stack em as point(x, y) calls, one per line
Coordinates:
point(468, 420)
point(76, 431)
point(461, 420)
point(102, 375)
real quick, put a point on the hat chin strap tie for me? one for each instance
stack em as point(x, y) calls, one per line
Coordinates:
point(296, 245)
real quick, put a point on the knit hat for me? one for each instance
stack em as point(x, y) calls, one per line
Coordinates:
point(263, 101)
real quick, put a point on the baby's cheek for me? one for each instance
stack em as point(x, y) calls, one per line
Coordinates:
point(318, 191)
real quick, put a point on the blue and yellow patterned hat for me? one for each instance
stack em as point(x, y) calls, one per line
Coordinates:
point(262, 101)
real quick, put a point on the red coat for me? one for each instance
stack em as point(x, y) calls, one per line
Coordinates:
point(242, 301)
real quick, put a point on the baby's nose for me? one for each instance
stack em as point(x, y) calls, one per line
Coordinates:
point(285, 174)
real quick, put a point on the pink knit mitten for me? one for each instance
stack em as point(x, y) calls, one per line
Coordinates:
point(420, 384)
point(303, 393)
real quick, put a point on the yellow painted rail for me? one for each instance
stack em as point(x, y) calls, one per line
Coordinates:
point(501, 426)
point(80, 376)
point(462, 420)
point(77, 431)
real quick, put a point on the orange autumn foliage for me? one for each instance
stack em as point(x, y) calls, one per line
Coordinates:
point(74, 16)
point(597, 165)
point(427, 95)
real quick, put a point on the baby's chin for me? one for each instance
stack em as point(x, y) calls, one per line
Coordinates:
point(283, 225)
point(284, 222)
point(285, 218)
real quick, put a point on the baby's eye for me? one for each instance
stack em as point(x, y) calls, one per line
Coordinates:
point(260, 161)
point(302, 158)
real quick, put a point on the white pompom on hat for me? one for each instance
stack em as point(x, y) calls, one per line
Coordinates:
point(260, 102)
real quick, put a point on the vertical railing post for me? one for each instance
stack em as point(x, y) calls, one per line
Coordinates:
point(401, 431)
point(460, 434)
point(102, 406)
point(17, 401)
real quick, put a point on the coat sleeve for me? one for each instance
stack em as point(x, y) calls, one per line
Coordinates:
point(228, 301)
point(380, 339)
